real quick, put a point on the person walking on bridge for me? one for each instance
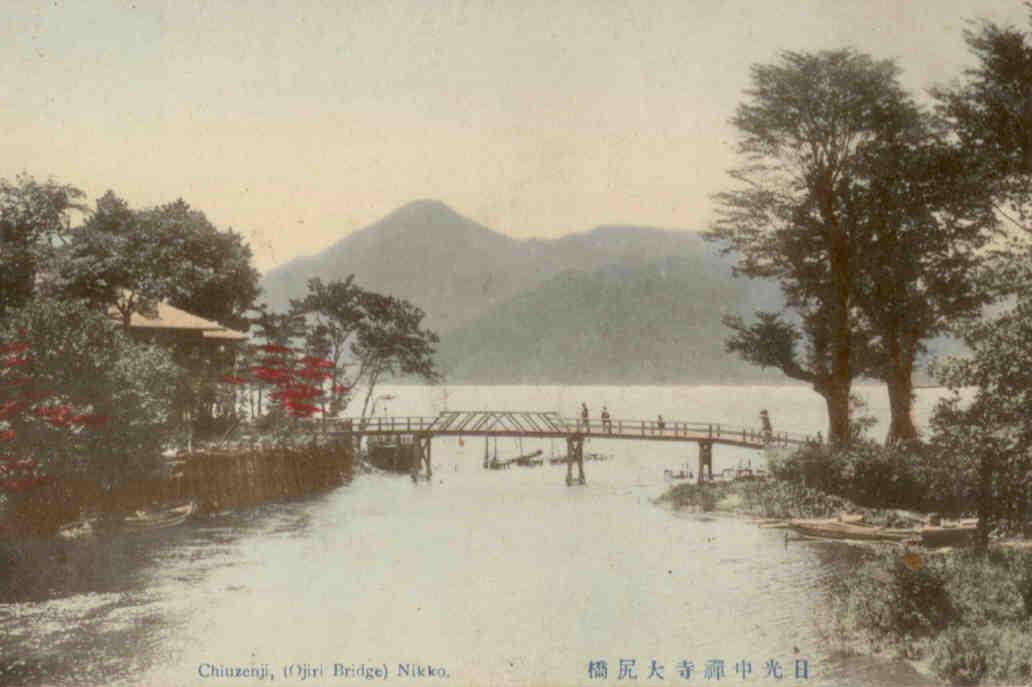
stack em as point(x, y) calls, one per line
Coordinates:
point(607, 424)
point(768, 430)
point(584, 417)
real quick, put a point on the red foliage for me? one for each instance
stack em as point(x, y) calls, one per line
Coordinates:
point(295, 392)
point(55, 415)
point(7, 436)
point(300, 409)
point(13, 362)
point(270, 375)
point(232, 379)
point(14, 348)
point(274, 348)
point(312, 361)
point(52, 411)
point(9, 408)
point(341, 388)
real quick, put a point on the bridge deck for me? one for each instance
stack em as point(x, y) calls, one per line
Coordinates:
point(553, 426)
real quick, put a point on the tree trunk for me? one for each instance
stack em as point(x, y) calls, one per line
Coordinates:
point(837, 400)
point(840, 383)
point(900, 383)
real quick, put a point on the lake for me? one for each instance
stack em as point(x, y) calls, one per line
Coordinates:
point(488, 577)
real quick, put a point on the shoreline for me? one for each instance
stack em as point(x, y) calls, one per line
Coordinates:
point(902, 601)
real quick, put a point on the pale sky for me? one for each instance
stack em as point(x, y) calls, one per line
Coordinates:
point(299, 122)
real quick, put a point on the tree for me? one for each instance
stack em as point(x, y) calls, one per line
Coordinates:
point(923, 220)
point(336, 310)
point(219, 281)
point(990, 113)
point(277, 330)
point(808, 120)
point(79, 398)
point(113, 261)
point(989, 438)
point(34, 223)
point(390, 341)
point(129, 260)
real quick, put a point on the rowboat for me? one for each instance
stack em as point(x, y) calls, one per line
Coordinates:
point(947, 535)
point(77, 529)
point(833, 528)
point(143, 521)
point(530, 459)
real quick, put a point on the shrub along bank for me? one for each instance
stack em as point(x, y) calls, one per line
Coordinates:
point(968, 614)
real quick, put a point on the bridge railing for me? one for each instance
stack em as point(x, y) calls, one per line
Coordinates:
point(388, 424)
point(677, 430)
point(649, 429)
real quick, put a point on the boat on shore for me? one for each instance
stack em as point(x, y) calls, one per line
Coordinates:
point(77, 529)
point(834, 528)
point(948, 535)
point(852, 527)
point(145, 521)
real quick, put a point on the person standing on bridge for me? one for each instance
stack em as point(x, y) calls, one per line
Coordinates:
point(584, 417)
point(607, 424)
point(768, 430)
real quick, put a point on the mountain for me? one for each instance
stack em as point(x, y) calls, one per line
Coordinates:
point(456, 269)
point(647, 323)
point(615, 304)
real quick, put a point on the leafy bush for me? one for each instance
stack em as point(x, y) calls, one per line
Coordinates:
point(970, 609)
point(987, 588)
point(77, 360)
point(865, 473)
point(885, 599)
point(967, 655)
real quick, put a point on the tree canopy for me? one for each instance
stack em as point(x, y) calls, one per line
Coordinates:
point(34, 222)
point(806, 123)
point(79, 396)
point(871, 222)
point(131, 259)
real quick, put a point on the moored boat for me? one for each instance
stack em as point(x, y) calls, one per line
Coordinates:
point(530, 459)
point(833, 528)
point(947, 535)
point(143, 521)
point(77, 529)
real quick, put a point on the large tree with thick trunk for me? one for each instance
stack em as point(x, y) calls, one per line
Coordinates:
point(924, 219)
point(867, 221)
point(805, 123)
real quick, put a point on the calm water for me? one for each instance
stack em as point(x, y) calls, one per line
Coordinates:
point(498, 577)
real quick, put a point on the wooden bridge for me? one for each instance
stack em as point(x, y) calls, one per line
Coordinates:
point(550, 425)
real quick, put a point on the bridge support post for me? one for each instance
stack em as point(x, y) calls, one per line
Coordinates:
point(429, 467)
point(422, 457)
point(705, 460)
point(487, 458)
point(574, 454)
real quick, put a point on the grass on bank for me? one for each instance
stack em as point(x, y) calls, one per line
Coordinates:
point(966, 615)
point(777, 499)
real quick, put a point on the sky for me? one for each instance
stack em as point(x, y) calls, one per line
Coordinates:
point(297, 123)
